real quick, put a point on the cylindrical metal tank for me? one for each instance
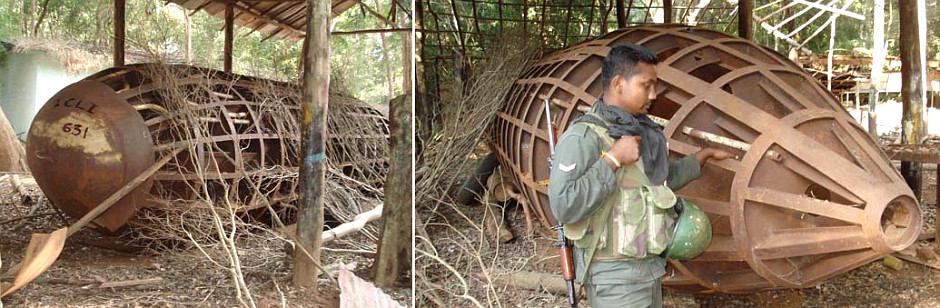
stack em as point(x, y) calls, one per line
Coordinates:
point(827, 199)
point(239, 134)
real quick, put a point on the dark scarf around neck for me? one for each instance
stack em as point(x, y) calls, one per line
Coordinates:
point(620, 123)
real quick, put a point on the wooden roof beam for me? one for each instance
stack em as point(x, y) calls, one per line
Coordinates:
point(257, 24)
point(266, 19)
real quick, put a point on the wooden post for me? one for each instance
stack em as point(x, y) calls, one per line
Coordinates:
point(394, 252)
point(912, 87)
point(229, 36)
point(423, 104)
point(189, 38)
point(119, 6)
point(316, 84)
point(745, 13)
point(460, 74)
point(667, 11)
point(877, 62)
point(621, 15)
point(407, 51)
point(832, 46)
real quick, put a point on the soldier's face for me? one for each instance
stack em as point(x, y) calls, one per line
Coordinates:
point(636, 94)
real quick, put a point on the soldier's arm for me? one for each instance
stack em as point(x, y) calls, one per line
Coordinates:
point(580, 180)
point(683, 171)
point(689, 168)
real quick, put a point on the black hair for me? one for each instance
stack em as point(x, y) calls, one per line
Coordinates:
point(622, 61)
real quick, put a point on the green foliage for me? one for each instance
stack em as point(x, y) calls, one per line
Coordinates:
point(358, 61)
point(159, 29)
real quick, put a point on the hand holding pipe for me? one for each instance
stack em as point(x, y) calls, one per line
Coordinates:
point(695, 133)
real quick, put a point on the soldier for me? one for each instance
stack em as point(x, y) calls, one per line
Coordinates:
point(612, 185)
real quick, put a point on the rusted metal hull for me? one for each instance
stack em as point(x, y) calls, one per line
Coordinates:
point(826, 201)
point(94, 136)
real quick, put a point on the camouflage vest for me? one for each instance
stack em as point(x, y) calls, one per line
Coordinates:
point(633, 221)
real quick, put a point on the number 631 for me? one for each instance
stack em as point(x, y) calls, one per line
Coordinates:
point(75, 129)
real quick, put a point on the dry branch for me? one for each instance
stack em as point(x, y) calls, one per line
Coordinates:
point(532, 281)
point(442, 166)
point(130, 283)
point(344, 229)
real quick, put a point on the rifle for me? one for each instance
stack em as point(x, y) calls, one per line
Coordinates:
point(564, 246)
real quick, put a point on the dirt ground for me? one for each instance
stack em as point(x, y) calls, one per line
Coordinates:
point(187, 278)
point(457, 235)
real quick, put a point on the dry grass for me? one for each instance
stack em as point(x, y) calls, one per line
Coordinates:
point(447, 251)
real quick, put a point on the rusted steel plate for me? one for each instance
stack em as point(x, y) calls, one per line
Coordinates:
point(829, 202)
point(94, 136)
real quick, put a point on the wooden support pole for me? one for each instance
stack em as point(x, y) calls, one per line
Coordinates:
point(188, 48)
point(745, 15)
point(621, 15)
point(119, 6)
point(407, 51)
point(877, 63)
point(667, 11)
point(913, 129)
point(229, 36)
point(832, 47)
point(423, 107)
point(316, 84)
point(394, 252)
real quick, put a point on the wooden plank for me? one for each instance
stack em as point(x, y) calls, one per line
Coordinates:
point(921, 153)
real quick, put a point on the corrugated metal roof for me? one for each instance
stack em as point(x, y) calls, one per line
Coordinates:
point(279, 18)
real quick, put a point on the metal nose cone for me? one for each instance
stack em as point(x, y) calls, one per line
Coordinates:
point(85, 143)
point(811, 195)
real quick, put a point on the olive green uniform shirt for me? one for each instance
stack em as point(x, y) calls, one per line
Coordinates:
point(579, 183)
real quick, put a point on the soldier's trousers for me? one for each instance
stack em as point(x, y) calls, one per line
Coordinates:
point(627, 294)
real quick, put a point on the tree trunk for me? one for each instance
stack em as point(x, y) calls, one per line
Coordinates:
point(877, 63)
point(394, 253)
point(229, 38)
point(32, 17)
point(388, 66)
point(913, 128)
point(745, 13)
point(316, 84)
point(45, 8)
point(389, 81)
point(12, 153)
point(99, 23)
point(423, 109)
point(621, 15)
point(119, 23)
point(189, 38)
point(407, 52)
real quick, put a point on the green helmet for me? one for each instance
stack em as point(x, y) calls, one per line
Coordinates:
point(692, 233)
